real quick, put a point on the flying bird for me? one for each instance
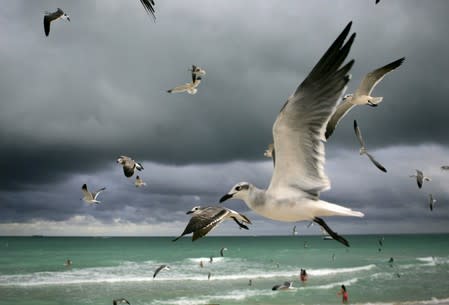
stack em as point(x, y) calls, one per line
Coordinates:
point(285, 286)
point(432, 202)
point(445, 167)
point(120, 301)
point(49, 17)
point(362, 94)
point(149, 7)
point(294, 232)
point(420, 178)
point(363, 150)
point(204, 219)
point(222, 251)
point(298, 133)
point(159, 269)
point(139, 182)
point(129, 165)
point(91, 197)
point(190, 88)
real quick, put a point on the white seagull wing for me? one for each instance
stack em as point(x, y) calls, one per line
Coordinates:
point(181, 88)
point(95, 194)
point(374, 77)
point(341, 111)
point(298, 131)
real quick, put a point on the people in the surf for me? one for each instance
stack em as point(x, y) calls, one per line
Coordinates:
point(391, 261)
point(303, 275)
point(201, 264)
point(68, 263)
point(344, 295)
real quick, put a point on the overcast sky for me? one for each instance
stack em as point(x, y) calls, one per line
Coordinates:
point(71, 103)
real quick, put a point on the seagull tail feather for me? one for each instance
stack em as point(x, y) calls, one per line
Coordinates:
point(330, 209)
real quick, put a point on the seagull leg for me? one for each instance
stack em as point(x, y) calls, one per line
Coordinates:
point(329, 231)
point(241, 225)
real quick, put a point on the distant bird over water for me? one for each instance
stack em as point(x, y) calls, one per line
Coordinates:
point(91, 197)
point(298, 133)
point(204, 219)
point(49, 17)
point(160, 268)
point(129, 165)
point(222, 251)
point(362, 94)
point(420, 178)
point(363, 150)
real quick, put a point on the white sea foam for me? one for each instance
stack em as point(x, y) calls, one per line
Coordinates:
point(433, 301)
point(333, 285)
point(321, 272)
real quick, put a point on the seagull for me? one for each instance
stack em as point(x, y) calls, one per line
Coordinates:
point(285, 286)
point(222, 251)
point(294, 232)
point(205, 219)
point(362, 94)
point(298, 132)
point(190, 88)
point(161, 267)
point(420, 178)
point(149, 7)
point(197, 71)
point(90, 197)
point(363, 150)
point(445, 167)
point(432, 201)
point(139, 182)
point(129, 165)
point(120, 301)
point(49, 17)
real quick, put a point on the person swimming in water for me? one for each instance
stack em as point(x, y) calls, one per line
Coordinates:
point(303, 275)
point(344, 295)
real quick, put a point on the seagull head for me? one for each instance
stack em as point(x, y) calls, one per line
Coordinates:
point(120, 160)
point(65, 17)
point(347, 96)
point(194, 209)
point(238, 191)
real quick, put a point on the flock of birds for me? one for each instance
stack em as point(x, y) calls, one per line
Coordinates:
point(308, 118)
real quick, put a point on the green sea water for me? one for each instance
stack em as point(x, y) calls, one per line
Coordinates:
point(32, 270)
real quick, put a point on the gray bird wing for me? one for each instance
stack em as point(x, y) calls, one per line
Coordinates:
point(158, 270)
point(298, 131)
point(342, 110)
point(48, 18)
point(374, 77)
point(358, 133)
point(88, 195)
point(96, 193)
point(376, 163)
point(149, 7)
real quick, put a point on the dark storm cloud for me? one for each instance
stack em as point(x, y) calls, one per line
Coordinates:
point(95, 89)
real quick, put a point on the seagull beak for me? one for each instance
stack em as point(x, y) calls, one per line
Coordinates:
point(226, 197)
point(68, 18)
point(189, 212)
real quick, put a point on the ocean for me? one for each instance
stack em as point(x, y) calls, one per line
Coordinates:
point(32, 270)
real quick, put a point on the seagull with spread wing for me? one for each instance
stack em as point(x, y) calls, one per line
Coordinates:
point(49, 17)
point(204, 219)
point(91, 197)
point(362, 94)
point(298, 134)
point(420, 178)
